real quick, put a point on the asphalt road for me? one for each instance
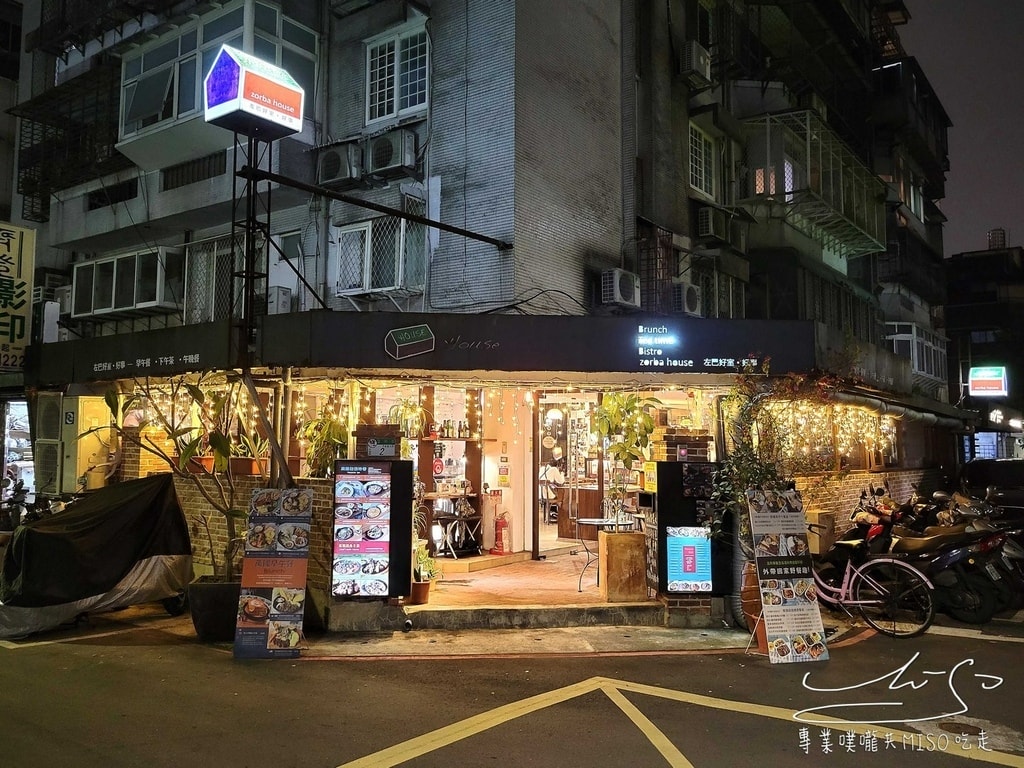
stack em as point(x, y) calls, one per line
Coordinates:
point(144, 692)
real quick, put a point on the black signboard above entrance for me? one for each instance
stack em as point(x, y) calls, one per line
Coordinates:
point(457, 342)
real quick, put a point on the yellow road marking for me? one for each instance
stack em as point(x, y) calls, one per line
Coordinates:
point(443, 737)
point(668, 750)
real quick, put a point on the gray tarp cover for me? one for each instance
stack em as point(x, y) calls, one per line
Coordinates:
point(87, 549)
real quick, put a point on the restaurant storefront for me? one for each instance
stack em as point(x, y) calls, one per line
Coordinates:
point(482, 404)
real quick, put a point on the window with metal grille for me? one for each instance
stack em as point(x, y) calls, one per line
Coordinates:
point(397, 74)
point(213, 282)
point(382, 254)
point(702, 161)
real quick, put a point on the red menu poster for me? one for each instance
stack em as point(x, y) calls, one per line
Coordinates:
point(270, 606)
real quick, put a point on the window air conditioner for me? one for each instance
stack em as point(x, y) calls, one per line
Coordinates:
point(62, 296)
point(340, 166)
point(695, 65)
point(620, 287)
point(686, 298)
point(712, 223)
point(391, 154)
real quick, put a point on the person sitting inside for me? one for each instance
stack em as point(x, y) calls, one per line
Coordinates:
point(551, 477)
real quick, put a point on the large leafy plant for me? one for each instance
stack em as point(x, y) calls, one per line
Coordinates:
point(625, 422)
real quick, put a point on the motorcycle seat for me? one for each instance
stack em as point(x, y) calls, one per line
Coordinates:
point(912, 545)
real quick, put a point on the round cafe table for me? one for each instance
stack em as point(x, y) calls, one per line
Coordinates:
point(626, 523)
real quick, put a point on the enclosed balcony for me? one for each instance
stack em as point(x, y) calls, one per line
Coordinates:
point(796, 169)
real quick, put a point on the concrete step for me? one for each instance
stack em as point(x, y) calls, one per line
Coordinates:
point(537, 617)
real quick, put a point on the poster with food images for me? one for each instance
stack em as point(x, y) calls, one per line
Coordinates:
point(362, 530)
point(789, 599)
point(273, 594)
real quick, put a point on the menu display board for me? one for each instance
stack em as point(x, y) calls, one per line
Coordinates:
point(362, 529)
point(688, 558)
point(273, 593)
point(788, 596)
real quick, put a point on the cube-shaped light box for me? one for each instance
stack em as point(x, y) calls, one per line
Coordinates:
point(249, 96)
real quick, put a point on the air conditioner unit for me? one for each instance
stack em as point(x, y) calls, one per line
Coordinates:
point(712, 223)
point(279, 300)
point(686, 298)
point(391, 154)
point(620, 287)
point(62, 296)
point(48, 416)
point(695, 65)
point(340, 166)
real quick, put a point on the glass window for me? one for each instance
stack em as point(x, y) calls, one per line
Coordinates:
point(148, 96)
point(397, 73)
point(124, 287)
point(132, 67)
point(147, 278)
point(83, 289)
point(298, 36)
point(103, 286)
point(224, 25)
point(264, 49)
point(160, 55)
point(189, 41)
point(303, 69)
point(702, 162)
point(266, 18)
point(186, 85)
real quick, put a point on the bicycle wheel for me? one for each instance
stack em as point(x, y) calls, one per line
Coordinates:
point(894, 598)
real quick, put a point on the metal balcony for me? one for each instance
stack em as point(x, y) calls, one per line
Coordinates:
point(795, 168)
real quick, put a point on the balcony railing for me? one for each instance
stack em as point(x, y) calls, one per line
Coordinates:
point(796, 168)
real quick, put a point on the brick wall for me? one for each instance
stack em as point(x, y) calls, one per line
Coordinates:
point(840, 495)
point(666, 442)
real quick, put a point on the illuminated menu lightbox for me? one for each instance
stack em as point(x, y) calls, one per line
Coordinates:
point(989, 381)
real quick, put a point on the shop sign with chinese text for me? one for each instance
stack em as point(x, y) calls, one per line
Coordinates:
point(17, 262)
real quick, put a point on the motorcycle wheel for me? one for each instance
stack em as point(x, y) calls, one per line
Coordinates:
point(175, 605)
point(971, 601)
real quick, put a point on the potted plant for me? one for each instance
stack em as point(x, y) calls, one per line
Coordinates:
point(249, 454)
point(625, 422)
point(411, 418)
point(425, 570)
point(326, 439)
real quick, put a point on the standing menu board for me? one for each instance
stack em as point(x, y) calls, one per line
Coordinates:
point(372, 511)
point(273, 590)
point(788, 596)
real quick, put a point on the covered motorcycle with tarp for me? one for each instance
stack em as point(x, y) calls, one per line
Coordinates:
point(121, 545)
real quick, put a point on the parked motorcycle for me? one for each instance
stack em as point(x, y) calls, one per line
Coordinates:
point(954, 557)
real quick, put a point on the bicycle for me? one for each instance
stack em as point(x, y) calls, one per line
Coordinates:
point(892, 596)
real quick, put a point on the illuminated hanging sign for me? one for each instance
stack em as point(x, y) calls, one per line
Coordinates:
point(247, 95)
point(988, 382)
point(661, 346)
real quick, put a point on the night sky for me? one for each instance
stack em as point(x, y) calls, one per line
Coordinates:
point(972, 52)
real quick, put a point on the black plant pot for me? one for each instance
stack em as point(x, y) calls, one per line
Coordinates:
point(214, 609)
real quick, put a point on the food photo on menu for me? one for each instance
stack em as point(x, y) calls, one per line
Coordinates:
point(292, 536)
point(254, 607)
point(283, 635)
point(265, 502)
point(296, 502)
point(287, 601)
point(260, 537)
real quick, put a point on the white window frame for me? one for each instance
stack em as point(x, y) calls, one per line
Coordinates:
point(384, 93)
point(703, 162)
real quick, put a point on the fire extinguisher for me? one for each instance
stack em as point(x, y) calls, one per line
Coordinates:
point(502, 535)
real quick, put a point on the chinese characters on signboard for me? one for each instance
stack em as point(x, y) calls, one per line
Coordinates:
point(273, 593)
point(789, 603)
point(17, 261)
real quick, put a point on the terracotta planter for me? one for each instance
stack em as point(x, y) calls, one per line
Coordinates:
point(245, 465)
point(750, 602)
point(419, 594)
point(198, 465)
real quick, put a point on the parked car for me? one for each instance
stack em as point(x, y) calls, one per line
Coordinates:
point(1000, 480)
